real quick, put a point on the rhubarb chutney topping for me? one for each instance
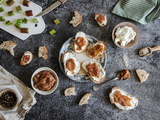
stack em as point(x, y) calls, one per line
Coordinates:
point(96, 50)
point(122, 99)
point(44, 81)
point(124, 74)
point(71, 66)
point(100, 18)
point(25, 59)
point(80, 43)
point(93, 70)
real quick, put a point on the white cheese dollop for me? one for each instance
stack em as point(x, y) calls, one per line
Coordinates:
point(124, 35)
point(68, 56)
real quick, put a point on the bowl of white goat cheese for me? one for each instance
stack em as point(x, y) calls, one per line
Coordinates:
point(125, 35)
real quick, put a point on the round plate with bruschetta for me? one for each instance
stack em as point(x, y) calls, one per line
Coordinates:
point(79, 49)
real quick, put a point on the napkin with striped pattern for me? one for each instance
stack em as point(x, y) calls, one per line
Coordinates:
point(142, 11)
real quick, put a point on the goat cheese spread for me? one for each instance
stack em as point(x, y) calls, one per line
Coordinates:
point(124, 35)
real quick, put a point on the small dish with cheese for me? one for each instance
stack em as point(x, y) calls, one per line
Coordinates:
point(125, 35)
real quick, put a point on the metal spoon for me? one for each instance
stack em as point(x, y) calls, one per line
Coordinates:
point(97, 87)
point(148, 51)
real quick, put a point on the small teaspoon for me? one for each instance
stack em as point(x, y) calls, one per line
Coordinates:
point(97, 87)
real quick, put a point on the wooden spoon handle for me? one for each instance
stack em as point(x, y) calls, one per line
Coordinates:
point(156, 48)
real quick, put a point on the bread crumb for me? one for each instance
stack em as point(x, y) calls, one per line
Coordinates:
point(84, 99)
point(8, 45)
point(125, 60)
point(70, 91)
point(143, 75)
point(77, 19)
point(43, 52)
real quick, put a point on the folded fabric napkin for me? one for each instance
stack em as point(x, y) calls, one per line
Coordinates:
point(142, 11)
point(28, 96)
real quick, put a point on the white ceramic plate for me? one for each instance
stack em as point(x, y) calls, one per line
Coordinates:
point(15, 31)
point(13, 87)
point(54, 87)
point(68, 46)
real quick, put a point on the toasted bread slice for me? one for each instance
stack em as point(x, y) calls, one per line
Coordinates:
point(101, 19)
point(26, 58)
point(43, 52)
point(125, 105)
point(143, 75)
point(102, 72)
point(81, 35)
point(84, 99)
point(92, 51)
point(8, 45)
point(69, 55)
point(76, 19)
point(70, 91)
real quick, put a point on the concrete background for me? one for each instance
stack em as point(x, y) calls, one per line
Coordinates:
point(58, 107)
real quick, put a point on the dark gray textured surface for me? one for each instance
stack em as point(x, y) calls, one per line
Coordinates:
point(56, 106)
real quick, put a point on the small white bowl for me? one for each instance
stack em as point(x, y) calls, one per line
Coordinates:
point(16, 102)
point(55, 85)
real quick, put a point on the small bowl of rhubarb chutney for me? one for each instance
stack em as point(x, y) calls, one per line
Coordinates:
point(44, 81)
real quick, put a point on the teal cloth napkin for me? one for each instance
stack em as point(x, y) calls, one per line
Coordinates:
point(142, 11)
